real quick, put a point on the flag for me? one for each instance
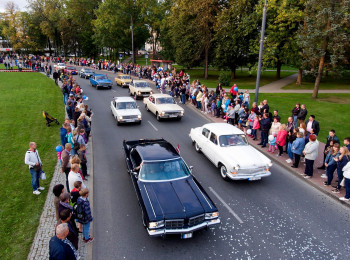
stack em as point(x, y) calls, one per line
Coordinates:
point(178, 149)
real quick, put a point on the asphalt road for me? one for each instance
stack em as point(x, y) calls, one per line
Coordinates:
point(281, 216)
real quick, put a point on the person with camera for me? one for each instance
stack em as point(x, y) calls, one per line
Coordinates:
point(32, 159)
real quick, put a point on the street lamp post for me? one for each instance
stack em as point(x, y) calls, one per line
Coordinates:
point(260, 54)
point(132, 41)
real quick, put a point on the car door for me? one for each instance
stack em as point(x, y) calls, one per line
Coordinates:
point(152, 105)
point(203, 139)
point(131, 89)
point(210, 147)
point(114, 110)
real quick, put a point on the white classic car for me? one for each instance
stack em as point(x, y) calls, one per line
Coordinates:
point(60, 66)
point(227, 147)
point(163, 106)
point(139, 88)
point(125, 110)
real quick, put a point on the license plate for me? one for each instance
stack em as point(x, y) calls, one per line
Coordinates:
point(254, 178)
point(187, 235)
point(173, 116)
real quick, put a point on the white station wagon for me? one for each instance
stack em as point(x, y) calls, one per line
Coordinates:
point(139, 88)
point(227, 147)
point(163, 106)
point(125, 110)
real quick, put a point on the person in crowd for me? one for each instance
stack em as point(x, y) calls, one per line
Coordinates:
point(63, 134)
point(60, 247)
point(311, 153)
point(199, 98)
point(311, 123)
point(74, 176)
point(218, 107)
point(75, 192)
point(302, 114)
point(302, 128)
point(265, 108)
point(330, 138)
point(242, 123)
point(281, 139)
point(289, 128)
point(32, 159)
point(213, 107)
point(73, 234)
point(233, 92)
point(246, 98)
point(251, 118)
point(297, 149)
point(57, 191)
point(255, 108)
point(272, 143)
point(331, 163)
point(66, 166)
point(346, 175)
point(256, 126)
point(341, 161)
point(347, 142)
point(275, 126)
point(83, 160)
point(295, 113)
point(55, 77)
point(87, 217)
point(275, 115)
point(265, 124)
point(64, 202)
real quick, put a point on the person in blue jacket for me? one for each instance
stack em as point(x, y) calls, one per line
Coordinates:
point(331, 163)
point(63, 134)
point(297, 149)
point(265, 124)
point(60, 248)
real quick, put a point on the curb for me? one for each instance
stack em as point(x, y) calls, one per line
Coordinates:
point(329, 194)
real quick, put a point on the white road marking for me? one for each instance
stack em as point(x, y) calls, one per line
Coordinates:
point(226, 206)
point(114, 90)
point(155, 128)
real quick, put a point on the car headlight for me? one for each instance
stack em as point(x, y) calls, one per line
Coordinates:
point(120, 117)
point(236, 167)
point(182, 113)
point(156, 224)
point(162, 113)
point(212, 215)
point(269, 164)
point(139, 117)
point(151, 92)
point(139, 92)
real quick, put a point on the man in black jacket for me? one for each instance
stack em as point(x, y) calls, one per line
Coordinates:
point(265, 124)
point(311, 123)
point(302, 115)
point(60, 248)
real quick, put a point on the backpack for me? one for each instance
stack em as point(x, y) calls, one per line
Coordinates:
point(79, 211)
point(76, 144)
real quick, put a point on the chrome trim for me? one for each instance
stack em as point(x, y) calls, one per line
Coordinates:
point(150, 201)
point(247, 176)
point(163, 231)
point(203, 195)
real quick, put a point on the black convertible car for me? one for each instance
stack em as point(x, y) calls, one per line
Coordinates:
point(171, 199)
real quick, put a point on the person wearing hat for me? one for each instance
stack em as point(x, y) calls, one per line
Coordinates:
point(311, 153)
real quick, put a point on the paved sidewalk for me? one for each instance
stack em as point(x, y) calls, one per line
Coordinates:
point(316, 181)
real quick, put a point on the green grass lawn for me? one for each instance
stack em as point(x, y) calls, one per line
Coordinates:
point(243, 79)
point(331, 82)
point(23, 97)
point(2, 66)
point(142, 61)
point(331, 110)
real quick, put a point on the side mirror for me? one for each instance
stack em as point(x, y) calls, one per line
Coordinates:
point(135, 174)
point(191, 168)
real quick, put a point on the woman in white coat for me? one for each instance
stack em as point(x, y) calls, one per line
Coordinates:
point(346, 175)
point(311, 153)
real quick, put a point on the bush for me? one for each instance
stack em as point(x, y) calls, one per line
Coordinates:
point(225, 78)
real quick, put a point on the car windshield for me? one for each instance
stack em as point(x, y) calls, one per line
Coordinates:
point(60, 64)
point(141, 84)
point(89, 71)
point(165, 100)
point(101, 77)
point(232, 140)
point(164, 170)
point(71, 68)
point(125, 77)
point(126, 105)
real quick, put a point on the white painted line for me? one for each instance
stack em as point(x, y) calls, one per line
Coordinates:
point(114, 90)
point(226, 206)
point(155, 128)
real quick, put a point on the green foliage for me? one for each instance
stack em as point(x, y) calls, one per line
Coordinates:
point(225, 78)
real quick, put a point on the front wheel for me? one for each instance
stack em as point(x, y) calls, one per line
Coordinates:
point(223, 172)
point(158, 117)
point(197, 148)
point(147, 108)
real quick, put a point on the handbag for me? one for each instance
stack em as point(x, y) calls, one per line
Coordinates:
point(76, 145)
point(37, 168)
point(42, 175)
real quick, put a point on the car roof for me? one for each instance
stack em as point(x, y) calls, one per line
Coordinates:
point(157, 95)
point(124, 99)
point(100, 75)
point(137, 81)
point(223, 129)
point(159, 150)
point(123, 75)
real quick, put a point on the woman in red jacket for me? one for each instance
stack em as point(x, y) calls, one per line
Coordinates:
point(281, 138)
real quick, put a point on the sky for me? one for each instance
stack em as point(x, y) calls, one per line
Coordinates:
point(20, 3)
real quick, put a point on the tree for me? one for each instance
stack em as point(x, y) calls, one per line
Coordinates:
point(324, 37)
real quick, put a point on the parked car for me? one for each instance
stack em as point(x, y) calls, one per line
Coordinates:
point(228, 149)
point(123, 80)
point(125, 110)
point(86, 73)
point(172, 201)
point(100, 81)
point(71, 70)
point(139, 88)
point(60, 66)
point(163, 106)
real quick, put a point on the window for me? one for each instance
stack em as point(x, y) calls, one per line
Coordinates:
point(205, 132)
point(213, 138)
point(233, 140)
point(164, 170)
point(135, 158)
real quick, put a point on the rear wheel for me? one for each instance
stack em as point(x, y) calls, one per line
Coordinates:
point(223, 172)
point(147, 107)
point(158, 117)
point(197, 148)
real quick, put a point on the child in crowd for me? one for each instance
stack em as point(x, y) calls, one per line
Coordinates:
point(86, 218)
point(59, 155)
point(213, 106)
point(256, 126)
point(272, 143)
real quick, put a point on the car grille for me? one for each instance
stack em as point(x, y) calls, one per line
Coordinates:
point(174, 223)
point(105, 84)
point(172, 113)
point(253, 170)
point(196, 220)
point(130, 117)
point(145, 93)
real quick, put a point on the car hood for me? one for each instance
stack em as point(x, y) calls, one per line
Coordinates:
point(125, 80)
point(103, 81)
point(246, 156)
point(143, 89)
point(128, 112)
point(169, 107)
point(175, 199)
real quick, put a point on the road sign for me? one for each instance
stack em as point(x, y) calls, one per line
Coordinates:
point(146, 56)
point(120, 56)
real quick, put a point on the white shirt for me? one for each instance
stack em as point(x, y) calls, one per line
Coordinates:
point(73, 177)
point(309, 126)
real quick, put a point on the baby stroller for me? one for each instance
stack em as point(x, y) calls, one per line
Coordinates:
point(49, 119)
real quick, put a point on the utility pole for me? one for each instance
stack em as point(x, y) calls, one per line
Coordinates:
point(260, 54)
point(132, 40)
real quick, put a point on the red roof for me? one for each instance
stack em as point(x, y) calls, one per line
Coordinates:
point(164, 61)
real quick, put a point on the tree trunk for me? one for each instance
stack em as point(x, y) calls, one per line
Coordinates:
point(278, 72)
point(233, 73)
point(300, 77)
point(327, 70)
point(206, 62)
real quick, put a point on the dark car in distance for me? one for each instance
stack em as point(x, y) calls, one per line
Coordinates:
point(171, 199)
